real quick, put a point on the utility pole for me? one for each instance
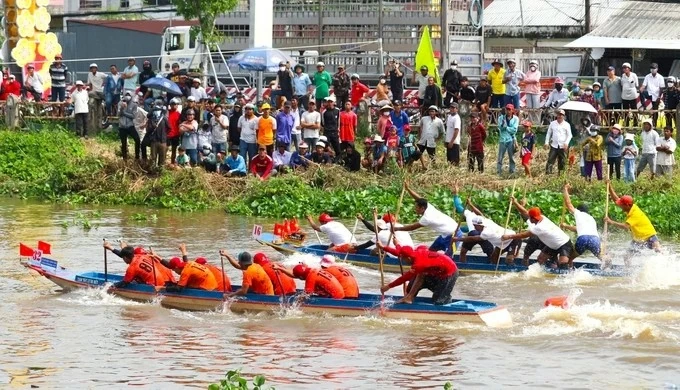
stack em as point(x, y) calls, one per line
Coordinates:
point(587, 16)
point(444, 35)
point(320, 28)
point(381, 63)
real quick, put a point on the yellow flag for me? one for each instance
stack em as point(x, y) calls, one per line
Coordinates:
point(425, 55)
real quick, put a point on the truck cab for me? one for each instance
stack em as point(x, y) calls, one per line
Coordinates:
point(178, 46)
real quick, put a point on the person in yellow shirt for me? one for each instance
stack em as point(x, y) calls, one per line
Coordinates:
point(266, 127)
point(641, 228)
point(495, 77)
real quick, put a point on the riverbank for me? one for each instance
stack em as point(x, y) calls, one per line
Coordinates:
point(56, 166)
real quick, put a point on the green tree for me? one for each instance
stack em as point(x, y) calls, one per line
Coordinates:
point(206, 11)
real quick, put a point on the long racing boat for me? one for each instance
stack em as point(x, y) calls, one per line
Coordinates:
point(485, 313)
point(474, 264)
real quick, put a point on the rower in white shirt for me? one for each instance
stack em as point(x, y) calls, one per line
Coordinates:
point(587, 237)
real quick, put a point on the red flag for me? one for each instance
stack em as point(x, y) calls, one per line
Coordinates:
point(25, 251)
point(278, 230)
point(294, 226)
point(45, 247)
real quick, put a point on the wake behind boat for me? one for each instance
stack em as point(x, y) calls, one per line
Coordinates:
point(475, 264)
point(486, 313)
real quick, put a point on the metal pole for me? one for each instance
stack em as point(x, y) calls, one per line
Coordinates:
point(587, 16)
point(380, 36)
point(320, 43)
point(443, 34)
point(521, 16)
point(231, 76)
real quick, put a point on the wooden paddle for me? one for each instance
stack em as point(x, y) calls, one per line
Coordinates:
point(381, 254)
point(153, 268)
point(396, 218)
point(224, 282)
point(603, 250)
point(507, 222)
point(106, 265)
point(356, 223)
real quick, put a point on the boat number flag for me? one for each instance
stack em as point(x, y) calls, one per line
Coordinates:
point(45, 247)
point(25, 250)
point(257, 231)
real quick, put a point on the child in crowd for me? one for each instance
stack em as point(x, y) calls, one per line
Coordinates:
point(182, 159)
point(367, 160)
point(208, 159)
point(409, 151)
point(392, 142)
point(528, 143)
point(630, 152)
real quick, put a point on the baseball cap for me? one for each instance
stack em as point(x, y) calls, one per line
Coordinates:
point(260, 258)
point(325, 217)
point(266, 106)
point(245, 258)
point(201, 260)
point(320, 64)
point(320, 145)
point(191, 99)
point(626, 65)
point(611, 68)
point(93, 65)
point(175, 263)
point(478, 220)
point(77, 82)
point(560, 112)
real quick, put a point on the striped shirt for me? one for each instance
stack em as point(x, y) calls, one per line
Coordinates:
point(58, 75)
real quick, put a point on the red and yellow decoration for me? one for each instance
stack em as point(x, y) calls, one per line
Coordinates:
point(35, 45)
point(289, 231)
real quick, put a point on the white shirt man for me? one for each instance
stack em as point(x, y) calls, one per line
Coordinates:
point(437, 221)
point(96, 79)
point(80, 99)
point(34, 81)
point(453, 128)
point(131, 76)
point(665, 157)
point(219, 127)
point(629, 86)
point(653, 83)
point(649, 140)
point(197, 91)
point(585, 224)
point(248, 129)
point(431, 129)
point(549, 233)
point(337, 233)
point(559, 134)
point(308, 118)
point(281, 158)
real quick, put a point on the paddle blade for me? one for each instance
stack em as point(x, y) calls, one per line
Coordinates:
point(560, 301)
point(45, 247)
point(25, 250)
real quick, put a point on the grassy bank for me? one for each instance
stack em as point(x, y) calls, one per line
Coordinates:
point(56, 166)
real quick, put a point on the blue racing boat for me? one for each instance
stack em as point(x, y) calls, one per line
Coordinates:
point(486, 313)
point(474, 264)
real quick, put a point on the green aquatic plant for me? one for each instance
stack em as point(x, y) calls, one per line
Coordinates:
point(234, 381)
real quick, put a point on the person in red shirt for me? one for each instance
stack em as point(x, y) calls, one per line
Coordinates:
point(347, 281)
point(142, 268)
point(261, 165)
point(358, 92)
point(317, 281)
point(173, 129)
point(283, 284)
point(477, 133)
point(223, 282)
point(348, 126)
point(10, 86)
point(430, 270)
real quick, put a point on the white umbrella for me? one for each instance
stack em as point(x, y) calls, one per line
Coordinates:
point(578, 106)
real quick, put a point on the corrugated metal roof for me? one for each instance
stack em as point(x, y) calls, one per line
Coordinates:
point(145, 26)
point(546, 13)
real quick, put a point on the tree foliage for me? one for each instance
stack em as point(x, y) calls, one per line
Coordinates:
point(206, 12)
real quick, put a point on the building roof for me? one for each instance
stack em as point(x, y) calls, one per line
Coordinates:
point(145, 26)
point(546, 13)
point(637, 25)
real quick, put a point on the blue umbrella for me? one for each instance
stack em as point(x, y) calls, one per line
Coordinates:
point(260, 59)
point(163, 84)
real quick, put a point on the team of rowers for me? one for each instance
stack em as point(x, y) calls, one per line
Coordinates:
point(431, 268)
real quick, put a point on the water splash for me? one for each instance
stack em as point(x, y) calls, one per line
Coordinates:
point(96, 297)
point(613, 320)
point(576, 277)
point(655, 272)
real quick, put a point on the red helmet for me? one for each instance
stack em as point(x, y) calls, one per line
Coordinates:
point(140, 251)
point(323, 218)
point(201, 260)
point(389, 218)
point(176, 263)
point(260, 258)
point(301, 271)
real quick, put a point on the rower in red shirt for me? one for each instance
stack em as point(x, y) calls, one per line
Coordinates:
point(347, 281)
point(283, 284)
point(429, 270)
point(317, 281)
point(192, 275)
point(261, 165)
point(140, 269)
point(223, 282)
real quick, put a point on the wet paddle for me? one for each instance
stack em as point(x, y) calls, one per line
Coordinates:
point(224, 283)
point(381, 254)
point(507, 222)
point(106, 265)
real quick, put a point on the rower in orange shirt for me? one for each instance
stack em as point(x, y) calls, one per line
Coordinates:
point(347, 281)
point(140, 269)
point(192, 275)
point(223, 282)
point(283, 284)
point(255, 279)
point(317, 281)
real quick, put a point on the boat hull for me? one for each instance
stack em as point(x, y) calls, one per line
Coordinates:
point(475, 264)
point(484, 313)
